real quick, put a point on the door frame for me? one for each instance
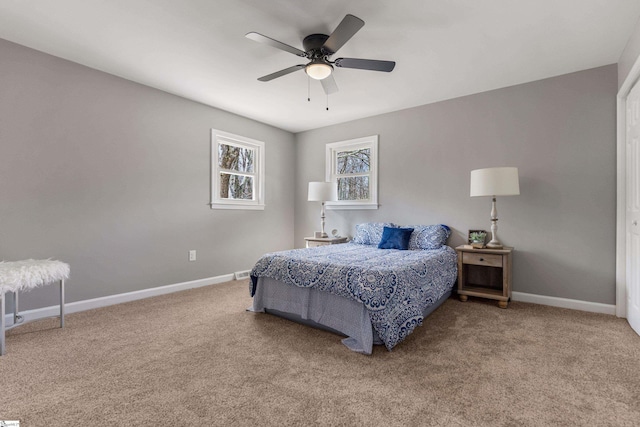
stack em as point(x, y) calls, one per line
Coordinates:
point(621, 189)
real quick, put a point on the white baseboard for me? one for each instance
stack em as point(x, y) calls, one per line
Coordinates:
point(74, 307)
point(574, 304)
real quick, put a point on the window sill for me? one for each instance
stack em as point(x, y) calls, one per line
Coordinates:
point(237, 206)
point(350, 206)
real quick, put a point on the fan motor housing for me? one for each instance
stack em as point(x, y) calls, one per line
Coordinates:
point(314, 42)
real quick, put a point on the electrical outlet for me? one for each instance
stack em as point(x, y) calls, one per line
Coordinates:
point(192, 255)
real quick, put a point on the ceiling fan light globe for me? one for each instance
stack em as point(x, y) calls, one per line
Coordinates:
point(318, 70)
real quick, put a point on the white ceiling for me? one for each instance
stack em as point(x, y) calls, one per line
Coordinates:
point(443, 49)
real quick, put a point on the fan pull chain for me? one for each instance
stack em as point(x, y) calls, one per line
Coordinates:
point(327, 102)
point(308, 88)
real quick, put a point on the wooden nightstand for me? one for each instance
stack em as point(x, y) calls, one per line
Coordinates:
point(485, 273)
point(321, 241)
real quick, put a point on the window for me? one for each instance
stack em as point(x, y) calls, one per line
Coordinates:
point(237, 172)
point(353, 166)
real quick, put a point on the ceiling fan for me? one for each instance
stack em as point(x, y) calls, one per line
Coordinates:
point(318, 48)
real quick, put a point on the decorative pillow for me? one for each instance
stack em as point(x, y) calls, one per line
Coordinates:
point(395, 238)
point(370, 233)
point(429, 236)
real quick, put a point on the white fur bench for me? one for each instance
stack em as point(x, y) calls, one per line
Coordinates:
point(25, 275)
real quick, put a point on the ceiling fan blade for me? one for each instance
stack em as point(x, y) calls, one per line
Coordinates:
point(281, 73)
point(274, 43)
point(329, 85)
point(365, 64)
point(345, 30)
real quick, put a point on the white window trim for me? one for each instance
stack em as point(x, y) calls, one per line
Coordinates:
point(330, 175)
point(218, 136)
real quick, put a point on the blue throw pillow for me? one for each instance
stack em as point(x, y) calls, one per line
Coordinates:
point(395, 238)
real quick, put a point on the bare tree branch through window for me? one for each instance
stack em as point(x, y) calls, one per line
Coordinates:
point(236, 159)
point(353, 166)
point(353, 162)
point(237, 172)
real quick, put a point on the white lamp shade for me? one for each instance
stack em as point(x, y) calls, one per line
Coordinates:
point(322, 191)
point(495, 182)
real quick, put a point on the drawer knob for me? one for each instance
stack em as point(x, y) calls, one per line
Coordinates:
point(481, 259)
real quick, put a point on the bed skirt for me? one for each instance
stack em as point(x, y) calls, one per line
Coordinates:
point(322, 310)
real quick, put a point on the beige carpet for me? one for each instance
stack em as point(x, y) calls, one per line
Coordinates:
point(197, 358)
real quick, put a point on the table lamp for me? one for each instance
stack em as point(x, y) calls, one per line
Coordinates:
point(494, 182)
point(322, 192)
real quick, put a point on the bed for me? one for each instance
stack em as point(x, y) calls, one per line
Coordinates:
point(369, 294)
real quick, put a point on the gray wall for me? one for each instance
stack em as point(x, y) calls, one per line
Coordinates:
point(629, 55)
point(560, 133)
point(113, 178)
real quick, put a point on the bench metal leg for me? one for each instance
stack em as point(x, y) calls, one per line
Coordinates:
point(62, 303)
point(16, 311)
point(2, 325)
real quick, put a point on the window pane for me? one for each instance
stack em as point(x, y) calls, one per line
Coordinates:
point(236, 187)
point(235, 158)
point(354, 188)
point(354, 161)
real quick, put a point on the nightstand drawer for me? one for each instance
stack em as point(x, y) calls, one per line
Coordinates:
point(489, 260)
point(311, 244)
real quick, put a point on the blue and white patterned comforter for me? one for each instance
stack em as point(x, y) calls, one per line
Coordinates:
point(395, 286)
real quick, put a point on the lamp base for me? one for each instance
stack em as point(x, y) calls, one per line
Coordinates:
point(320, 235)
point(496, 245)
